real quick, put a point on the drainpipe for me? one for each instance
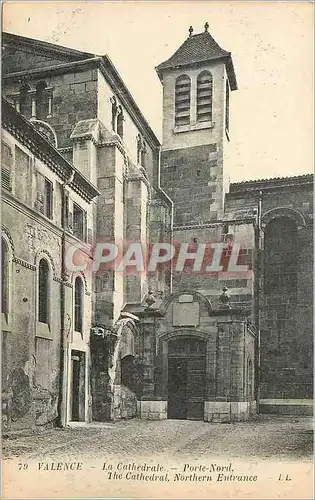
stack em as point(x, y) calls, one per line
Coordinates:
point(62, 399)
point(258, 244)
point(172, 207)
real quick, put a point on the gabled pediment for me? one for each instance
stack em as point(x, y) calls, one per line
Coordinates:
point(22, 54)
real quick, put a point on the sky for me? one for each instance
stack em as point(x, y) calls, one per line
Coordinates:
point(271, 113)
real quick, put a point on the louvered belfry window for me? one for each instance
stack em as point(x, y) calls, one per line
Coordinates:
point(182, 100)
point(6, 165)
point(204, 97)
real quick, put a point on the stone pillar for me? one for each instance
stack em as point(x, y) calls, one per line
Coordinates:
point(32, 94)
point(50, 98)
point(136, 232)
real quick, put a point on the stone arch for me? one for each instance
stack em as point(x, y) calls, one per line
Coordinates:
point(184, 332)
point(279, 212)
point(81, 275)
point(44, 254)
point(46, 130)
point(9, 240)
point(197, 296)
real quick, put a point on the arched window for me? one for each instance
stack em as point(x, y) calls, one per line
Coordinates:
point(78, 305)
point(120, 122)
point(25, 101)
point(43, 291)
point(204, 97)
point(4, 277)
point(42, 100)
point(182, 100)
point(280, 257)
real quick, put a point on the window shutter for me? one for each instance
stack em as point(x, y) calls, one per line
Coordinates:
point(182, 100)
point(204, 97)
point(6, 163)
point(49, 198)
point(84, 229)
point(90, 236)
point(70, 222)
point(40, 193)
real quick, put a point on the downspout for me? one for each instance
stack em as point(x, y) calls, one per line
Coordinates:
point(172, 207)
point(258, 244)
point(62, 399)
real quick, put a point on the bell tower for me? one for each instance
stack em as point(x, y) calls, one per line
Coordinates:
point(197, 80)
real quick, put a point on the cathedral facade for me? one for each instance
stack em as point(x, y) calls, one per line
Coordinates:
point(82, 167)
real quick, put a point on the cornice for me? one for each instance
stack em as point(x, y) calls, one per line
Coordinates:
point(24, 263)
point(26, 133)
point(245, 220)
point(54, 69)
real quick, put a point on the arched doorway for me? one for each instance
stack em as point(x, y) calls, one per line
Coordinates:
point(186, 378)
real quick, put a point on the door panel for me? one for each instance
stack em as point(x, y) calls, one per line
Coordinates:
point(196, 377)
point(177, 388)
point(186, 378)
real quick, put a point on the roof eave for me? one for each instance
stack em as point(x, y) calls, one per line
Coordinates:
point(229, 68)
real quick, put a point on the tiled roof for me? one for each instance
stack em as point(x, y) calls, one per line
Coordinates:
point(198, 48)
point(273, 181)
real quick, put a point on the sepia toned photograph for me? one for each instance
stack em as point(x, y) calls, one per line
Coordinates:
point(157, 249)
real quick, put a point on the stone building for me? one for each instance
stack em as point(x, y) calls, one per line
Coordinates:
point(171, 342)
point(46, 313)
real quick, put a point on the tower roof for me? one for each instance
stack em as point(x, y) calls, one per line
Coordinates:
point(199, 48)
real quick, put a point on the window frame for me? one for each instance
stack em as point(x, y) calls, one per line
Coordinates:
point(200, 97)
point(78, 305)
point(47, 281)
point(180, 99)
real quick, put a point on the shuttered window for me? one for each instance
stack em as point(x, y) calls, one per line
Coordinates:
point(4, 277)
point(204, 97)
point(182, 100)
point(79, 222)
point(6, 166)
point(44, 195)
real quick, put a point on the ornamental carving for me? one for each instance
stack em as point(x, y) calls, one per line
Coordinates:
point(46, 131)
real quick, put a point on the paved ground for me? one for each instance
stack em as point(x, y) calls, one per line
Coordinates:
point(274, 437)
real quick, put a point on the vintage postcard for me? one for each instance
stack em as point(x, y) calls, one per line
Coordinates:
point(157, 261)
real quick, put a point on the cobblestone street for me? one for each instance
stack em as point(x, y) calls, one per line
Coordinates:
point(269, 437)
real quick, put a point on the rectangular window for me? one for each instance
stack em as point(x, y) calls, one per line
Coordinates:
point(6, 165)
point(44, 198)
point(79, 222)
point(48, 198)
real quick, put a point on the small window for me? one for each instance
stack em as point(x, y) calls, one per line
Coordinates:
point(44, 199)
point(120, 122)
point(6, 166)
point(42, 101)
point(182, 100)
point(25, 101)
point(48, 198)
point(43, 292)
point(78, 305)
point(4, 277)
point(114, 112)
point(143, 162)
point(79, 222)
point(204, 97)
point(141, 151)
